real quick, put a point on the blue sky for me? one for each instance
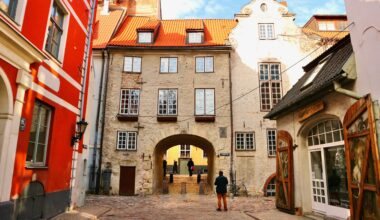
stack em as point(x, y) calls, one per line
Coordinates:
point(227, 8)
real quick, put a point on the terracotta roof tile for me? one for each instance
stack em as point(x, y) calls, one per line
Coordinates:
point(104, 27)
point(150, 25)
point(172, 33)
point(337, 35)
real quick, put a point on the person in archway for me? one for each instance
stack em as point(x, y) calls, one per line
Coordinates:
point(175, 167)
point(221, 190)
point(164, 164)
point(190, 166)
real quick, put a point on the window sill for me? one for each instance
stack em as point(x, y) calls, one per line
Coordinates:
point(36, 167)
point(167, 118)
point(205, 118)
point(129, 72)
point(250, 150)
point(127, 117)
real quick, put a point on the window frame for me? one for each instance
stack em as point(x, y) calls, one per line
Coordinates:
point(169, 58)
point(145, 32)
point(202, 35)
point(55, 26)
point(266, 37)
point(270, 82)
point(186, 150)
point(271, 148)
point(126, 141)
point(204, 101)
point(47, 137)
point(204, 64)
point(158, 103)
point(129, 103)
point(132, 65)
point(245, 133)
point(13, 4)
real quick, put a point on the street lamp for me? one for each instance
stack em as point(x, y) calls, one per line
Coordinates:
point(81, 128)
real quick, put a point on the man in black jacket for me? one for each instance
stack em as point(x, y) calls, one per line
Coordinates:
point(221, 189)
point(190, 166)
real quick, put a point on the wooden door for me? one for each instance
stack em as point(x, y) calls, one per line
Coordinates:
point(127, 181)
point(362, 160)
point(284, 172)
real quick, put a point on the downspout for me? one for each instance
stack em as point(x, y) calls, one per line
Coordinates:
point(105, 73)
point(98, 121)
point(231, 121)
point(338, 88)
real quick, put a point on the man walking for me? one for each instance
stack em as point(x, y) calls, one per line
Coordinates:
point(190, 166)
point(164, 165)
point(221, 190)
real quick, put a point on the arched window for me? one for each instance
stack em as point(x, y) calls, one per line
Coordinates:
point(270, 186)
point(325, 132)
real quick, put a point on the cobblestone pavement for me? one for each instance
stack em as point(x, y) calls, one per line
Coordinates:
point(168, 207)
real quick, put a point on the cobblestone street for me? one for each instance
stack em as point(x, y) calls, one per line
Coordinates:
point(175, 207)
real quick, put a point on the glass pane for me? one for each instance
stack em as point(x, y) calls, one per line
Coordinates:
point(137, 64)
point(210, 102)
point(145, 37)
point(200, 64)
point(164, 65)
point(357, 151)
point(127, 64)
point(40, 153)
point(42, 135)
point(316, 165)
point(371, 206)
point(329, 138)
point(336, 176)
point(371, 177)
point(284, 163)
point(209, 64)
point(173, 65)
point(29, 156)
point(264, 72)
point(200, 101)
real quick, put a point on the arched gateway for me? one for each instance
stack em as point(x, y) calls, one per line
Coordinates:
point(181, 139)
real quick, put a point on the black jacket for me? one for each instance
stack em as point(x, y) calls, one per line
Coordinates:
point(221, 184)
point(190, 164)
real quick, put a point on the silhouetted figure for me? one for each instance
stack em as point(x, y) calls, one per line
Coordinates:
point(221, 190)
point(190, 166)
point(164, 164)
point(175, 167)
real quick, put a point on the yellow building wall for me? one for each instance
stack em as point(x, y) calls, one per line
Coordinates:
point(195, 153)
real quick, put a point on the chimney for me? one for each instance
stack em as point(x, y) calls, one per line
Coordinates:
point(106, 7)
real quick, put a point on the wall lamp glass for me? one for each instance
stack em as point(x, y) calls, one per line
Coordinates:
point(81, 128)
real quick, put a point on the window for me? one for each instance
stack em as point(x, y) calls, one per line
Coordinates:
point(195, 37)
point(315, 72)
point(167, 102)
point(204, 102)
point(271, 141)
point(266, 31)
point(39, 135)
point(132, 64)
point(270, 85)
point(126, 140)
point(145, 37)
point(324, 133)
point(55, 31)
point(271, 188)
point(129, 101)
point(9, 7)
point(169, 65)
point(185, 151)
point(326, 26)
point(204, 64)
point(245, 141)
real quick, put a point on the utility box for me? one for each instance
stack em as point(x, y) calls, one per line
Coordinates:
point(106, 180)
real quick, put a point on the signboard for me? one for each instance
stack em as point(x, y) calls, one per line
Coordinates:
point(224, 154)
point(311, 110)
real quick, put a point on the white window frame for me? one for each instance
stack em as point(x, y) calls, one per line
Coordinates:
point(271, 142)
point(266, 31)
point(126, 139)
point(132, 64)
point(241, 141)
point(128, 109)
point(205, 109)
point(186, 150)
point(168, 105)
point(271, 187)
point(36, 142)
point(145, 37)
point(326, 26)
point(201, 64)
point(195, 37)
point(270, 79)
point(171, 65)
point(18, 18)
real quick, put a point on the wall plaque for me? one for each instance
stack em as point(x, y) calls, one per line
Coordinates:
point(310, 110)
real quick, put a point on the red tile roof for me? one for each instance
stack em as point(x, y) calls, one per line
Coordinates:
point(105, 26)
point(172, 33)
point(150, 25)
point(331, 35)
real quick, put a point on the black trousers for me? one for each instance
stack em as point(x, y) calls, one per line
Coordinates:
point(190, 172)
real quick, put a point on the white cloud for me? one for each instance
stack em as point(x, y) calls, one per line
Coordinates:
point(331, 7)
point(172, 9)
point(213, 7)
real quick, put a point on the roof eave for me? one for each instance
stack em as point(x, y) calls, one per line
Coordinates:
point(115, 47)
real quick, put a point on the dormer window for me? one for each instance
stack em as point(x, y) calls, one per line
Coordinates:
point(195, 37)
point(314, 73)
point(145, 37)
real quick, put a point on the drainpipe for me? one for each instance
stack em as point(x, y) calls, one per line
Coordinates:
point(338, 88)
point(231, 121)
point(104, 95)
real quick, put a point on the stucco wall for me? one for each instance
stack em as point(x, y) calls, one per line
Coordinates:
point(186, 80)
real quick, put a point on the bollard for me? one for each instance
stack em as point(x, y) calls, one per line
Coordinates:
point(171, 178)
point(198, 178)
point(165, 187)
point(201, 188)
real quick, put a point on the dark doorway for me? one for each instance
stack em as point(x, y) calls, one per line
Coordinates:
point(31, 202)
point(127, 181)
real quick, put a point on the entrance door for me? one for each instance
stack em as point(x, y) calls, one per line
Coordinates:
point(362, 160)
point(183, 166)
point(284, 173)
point(327, 169)
point(127, 181)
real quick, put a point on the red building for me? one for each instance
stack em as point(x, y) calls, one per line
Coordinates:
point(44, 47)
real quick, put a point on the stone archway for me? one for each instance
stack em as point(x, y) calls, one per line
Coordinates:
point(166, 143)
